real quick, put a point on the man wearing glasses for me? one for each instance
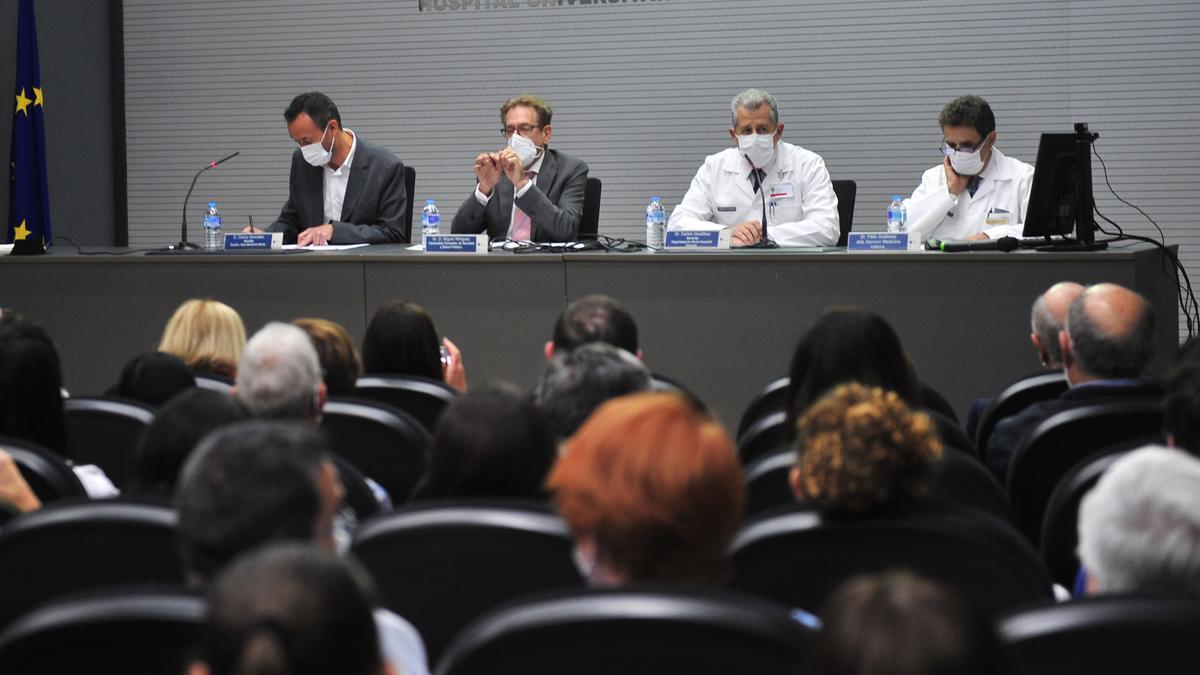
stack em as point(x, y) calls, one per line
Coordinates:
point(977, 192)
point(525, 191)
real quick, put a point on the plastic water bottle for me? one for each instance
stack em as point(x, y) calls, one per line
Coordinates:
point(431, 218)
point(212, 228)
point(897, 215)
point(656, 222)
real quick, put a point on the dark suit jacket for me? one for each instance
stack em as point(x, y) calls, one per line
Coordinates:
point(554, 203)
point(374, 207)
point(1011, 431)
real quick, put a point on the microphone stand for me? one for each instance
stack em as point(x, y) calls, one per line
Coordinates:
point(765, 241)
point(184, 244)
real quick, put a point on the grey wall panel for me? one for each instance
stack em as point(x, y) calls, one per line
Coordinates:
point(641, 91)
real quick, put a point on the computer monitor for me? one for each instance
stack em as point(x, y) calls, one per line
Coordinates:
point(1060, 200)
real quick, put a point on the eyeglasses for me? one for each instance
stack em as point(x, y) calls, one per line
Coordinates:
point(523, 130)
point(966, 148)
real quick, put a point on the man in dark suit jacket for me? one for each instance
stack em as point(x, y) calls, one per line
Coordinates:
point(525, 192)
point(342, 190)
point(1106, 348)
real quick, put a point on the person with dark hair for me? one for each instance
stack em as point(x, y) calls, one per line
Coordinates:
point(290, 610)
point(976, 192)
point(575, 383)
point(339, 357)
point(594, 318)
point(401, 340)
point(324, 205)
point(490, 442)
point(900, 624)
point(258, 482)
point(153, 378)
point(525, 191)
point(174, 433)
point(1106, 348)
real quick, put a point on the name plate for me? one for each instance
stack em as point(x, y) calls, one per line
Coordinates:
point(456, 243)
point(696, 240)
point(240, 241)
point(882, 241)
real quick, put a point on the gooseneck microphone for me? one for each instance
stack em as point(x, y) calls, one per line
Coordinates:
point(183, 228)
point(765, 242)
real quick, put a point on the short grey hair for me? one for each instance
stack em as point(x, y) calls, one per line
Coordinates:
point(1046, 325)
point(753, 99)
point(279, 373)
point(575, 383)
point(1139, 528)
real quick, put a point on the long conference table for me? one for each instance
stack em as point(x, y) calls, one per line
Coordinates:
point(724, 324)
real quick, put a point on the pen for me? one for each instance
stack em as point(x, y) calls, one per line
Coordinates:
point(251, 222)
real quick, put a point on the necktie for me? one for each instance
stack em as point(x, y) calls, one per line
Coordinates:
point(521, 225)
point(756, 178)
point(973, 184)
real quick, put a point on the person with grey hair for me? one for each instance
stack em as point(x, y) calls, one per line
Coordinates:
point(575, 383)
point(280, 374)
point(761, 180)
point(1106, 347)
point(1139, 528)
point(976, 192)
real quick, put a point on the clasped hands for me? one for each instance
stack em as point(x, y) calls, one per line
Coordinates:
point(490, 166)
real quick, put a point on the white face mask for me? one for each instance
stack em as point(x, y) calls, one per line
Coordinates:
point(315, 153)
point(966, 163)
point(760, 148)
point(524, 148)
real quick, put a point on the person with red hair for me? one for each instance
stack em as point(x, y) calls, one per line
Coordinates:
point(652, 491)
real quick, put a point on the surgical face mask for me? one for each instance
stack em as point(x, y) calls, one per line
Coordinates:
point(315, 153)
point(965, 162)
point(525, 149)
point(760, 148)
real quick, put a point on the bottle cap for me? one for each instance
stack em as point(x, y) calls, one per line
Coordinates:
point(655, 198)
point(212, 205)
point(895, 197)
point(429, 202)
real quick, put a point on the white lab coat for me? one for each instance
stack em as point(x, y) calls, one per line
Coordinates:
point(997, 208)
point(801, 205)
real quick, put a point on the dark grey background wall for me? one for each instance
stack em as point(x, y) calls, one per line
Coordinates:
point(77, 79)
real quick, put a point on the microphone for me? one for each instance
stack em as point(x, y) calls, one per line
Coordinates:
point(765, 242)
point(183, 228)
point(1005, 244)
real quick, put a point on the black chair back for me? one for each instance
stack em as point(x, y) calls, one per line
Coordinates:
point(214, 382)
point(660, 382)
point(1016, 397)
point(422, 397)
point(767, 484)
point(127, 630)
point(847, 192)
point(358, 493)
point(589, 220)
point(798, 557)
point(105, 431)
point(49, 475)
point(1064, 439)
point(766, 436)
point(1105, 635)
point(385, 443)
point(633, 630)
point(410, 187)
point(442, 564)
point(773, 397)
point(73, 546)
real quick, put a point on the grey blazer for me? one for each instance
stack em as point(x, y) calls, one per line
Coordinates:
point(374, 207)
point(554, 203)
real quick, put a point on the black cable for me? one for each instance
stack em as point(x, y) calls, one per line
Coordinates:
point(79, 250)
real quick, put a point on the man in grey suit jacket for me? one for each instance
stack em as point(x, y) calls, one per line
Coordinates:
point(525, 191)
point(342, 190)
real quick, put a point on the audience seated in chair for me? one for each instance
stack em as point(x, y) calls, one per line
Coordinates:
point(594, 318)
point(208, 335)
point(153, 378)
point(1106, 348)
point(280, 375)
point(573, 384)
point(341, 363)
point(401, 340)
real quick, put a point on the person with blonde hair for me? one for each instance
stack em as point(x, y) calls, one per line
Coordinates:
point(208, 335)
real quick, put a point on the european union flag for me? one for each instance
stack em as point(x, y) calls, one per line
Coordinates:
point(29, 196)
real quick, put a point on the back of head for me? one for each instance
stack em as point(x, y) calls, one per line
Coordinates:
point(177, 428)
point(574, 384)
point(291, 610)
point(490, 442)
point(30, 384)
point(279, 375)
point(898, 624)
point(337, 353)
point(860, 449)
point(248, 484)
point(1139, 528)
point(658, 486)
point(153, 378)
point(848, 345)
point(1049, 316)
point(1181, 407)
point(401, 340)
point(595, 318)
point(208, 335)
point(1112, 331)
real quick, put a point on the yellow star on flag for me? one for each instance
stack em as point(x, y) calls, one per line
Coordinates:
point(21, 232)
point(37, 97)
point(22, 103)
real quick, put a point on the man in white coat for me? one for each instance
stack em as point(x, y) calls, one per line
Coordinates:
point(977, 192)
point(797, 203)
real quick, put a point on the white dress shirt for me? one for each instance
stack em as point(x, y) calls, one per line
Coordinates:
point(536, 168)
point(335, 184)
point(997, 208)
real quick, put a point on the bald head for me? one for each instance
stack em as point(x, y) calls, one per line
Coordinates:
point(1049, 318)
point(1110, 334)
